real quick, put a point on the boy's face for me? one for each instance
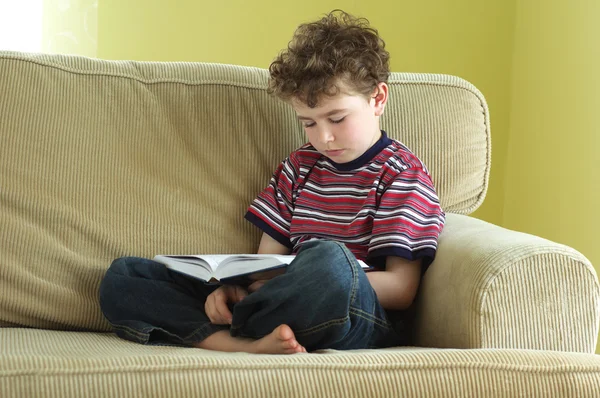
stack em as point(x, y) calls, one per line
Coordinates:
point(345, 126)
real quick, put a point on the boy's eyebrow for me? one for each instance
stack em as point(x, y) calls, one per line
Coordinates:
point(331, 112)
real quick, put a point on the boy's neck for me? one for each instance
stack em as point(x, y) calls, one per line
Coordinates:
point(367, 156)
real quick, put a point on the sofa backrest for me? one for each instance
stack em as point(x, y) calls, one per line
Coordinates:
point(103, 159)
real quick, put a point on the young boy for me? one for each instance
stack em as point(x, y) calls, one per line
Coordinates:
point(350, 193)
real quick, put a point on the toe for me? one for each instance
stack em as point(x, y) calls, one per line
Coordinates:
point(296, 350)
point(284, 332)
point(291, 343)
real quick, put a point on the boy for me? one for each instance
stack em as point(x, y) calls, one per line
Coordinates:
point(351, 192)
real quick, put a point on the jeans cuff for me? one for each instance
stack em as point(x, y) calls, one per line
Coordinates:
point(153, 335)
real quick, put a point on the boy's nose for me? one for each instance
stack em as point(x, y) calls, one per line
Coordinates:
point(325, 135)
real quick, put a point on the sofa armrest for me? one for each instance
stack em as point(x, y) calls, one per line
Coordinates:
point(490, 287)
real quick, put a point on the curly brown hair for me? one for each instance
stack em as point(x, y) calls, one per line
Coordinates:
point(338, 51)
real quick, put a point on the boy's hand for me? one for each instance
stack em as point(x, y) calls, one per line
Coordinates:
point(256, 285)
point(216, 303)
point(266, 275)
point(260, 278)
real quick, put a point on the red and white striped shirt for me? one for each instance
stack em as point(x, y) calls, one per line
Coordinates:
point(380, 204)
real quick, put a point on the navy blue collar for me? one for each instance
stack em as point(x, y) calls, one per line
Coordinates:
point(366, 157)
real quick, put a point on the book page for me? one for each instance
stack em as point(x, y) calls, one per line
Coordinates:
point(189, 265)
point(212, 260)
point(235, 258)
point(221, 266)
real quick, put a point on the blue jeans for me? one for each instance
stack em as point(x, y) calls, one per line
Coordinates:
point(324, 296)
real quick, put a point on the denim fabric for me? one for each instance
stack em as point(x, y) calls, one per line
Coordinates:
point(324, 296)
point(148, 304)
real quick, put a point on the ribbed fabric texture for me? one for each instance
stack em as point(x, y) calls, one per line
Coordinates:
point(101, 365)
point(495, 288)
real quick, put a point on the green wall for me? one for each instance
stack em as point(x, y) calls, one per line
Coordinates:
point(552, 173)
point(467, 38)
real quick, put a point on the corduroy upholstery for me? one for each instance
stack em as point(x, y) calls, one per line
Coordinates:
point(102, 159)
point(99, 365)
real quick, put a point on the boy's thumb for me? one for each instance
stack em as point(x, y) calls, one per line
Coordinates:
point(240, 293)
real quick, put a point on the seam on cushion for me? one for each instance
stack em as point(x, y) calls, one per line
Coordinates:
point(554, 369)
point(141, 80)
point(467, 87)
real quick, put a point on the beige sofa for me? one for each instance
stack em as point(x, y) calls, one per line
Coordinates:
point(101, 159)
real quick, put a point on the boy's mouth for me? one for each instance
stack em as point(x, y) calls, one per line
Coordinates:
point(335, 152)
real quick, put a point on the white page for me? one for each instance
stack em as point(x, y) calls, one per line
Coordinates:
point(190, 265)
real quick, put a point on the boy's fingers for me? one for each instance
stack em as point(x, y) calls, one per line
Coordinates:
point(252, 287)
point(213, 310)
point(209, 306)
point(265, 275)
point(234, 293)
point(255, 286)
point(240, 293)
point(223, 312)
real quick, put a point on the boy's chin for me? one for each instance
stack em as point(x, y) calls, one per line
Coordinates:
point(344, 157)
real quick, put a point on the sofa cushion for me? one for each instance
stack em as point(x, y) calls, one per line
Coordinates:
point(64, 364)
point(103, 159)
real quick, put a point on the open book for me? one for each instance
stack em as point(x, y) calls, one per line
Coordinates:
point(227, 268)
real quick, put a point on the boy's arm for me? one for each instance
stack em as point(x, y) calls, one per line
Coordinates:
point(268, 245)
point(397, 286)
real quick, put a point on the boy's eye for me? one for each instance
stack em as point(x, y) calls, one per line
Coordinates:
point(311, 124)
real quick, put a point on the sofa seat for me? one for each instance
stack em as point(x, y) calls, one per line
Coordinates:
point(63, 364)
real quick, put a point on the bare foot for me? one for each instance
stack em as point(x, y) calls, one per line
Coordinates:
point(279, 341)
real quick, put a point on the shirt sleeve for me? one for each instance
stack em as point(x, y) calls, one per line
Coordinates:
point(272, 209)
point(408, 220)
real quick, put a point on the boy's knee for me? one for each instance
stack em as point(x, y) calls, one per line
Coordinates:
point(118, 266)
point(123, 273)
point(327, 262)
point(324, 249)
point(112, 281)
point(124, 266)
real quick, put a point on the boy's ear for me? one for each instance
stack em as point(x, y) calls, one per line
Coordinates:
point(379, 98)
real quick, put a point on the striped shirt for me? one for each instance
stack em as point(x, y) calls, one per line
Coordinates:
point(380, 204)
